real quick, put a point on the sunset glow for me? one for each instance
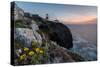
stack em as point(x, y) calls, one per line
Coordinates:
point(80, 20)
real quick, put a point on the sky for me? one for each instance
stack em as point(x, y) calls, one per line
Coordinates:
point(67, 14)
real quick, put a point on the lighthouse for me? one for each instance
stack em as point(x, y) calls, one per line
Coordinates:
point(47, 17)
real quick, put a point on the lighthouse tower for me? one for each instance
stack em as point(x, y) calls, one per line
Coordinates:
point(47, 17)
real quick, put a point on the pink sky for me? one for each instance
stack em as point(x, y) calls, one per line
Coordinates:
point(80, 20)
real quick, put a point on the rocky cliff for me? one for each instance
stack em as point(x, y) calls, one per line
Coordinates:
point(48, 35)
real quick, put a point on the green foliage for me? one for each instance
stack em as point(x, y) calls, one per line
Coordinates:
point(34, 44)
point(17, 44)
point(19, 23)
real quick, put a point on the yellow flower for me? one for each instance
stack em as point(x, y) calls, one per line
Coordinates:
point(41, 51)
point(37, 50)
point(26, 49)
point(22, 57)
point(31, 53)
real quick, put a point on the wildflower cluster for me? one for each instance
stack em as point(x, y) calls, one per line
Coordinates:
point(33, 55)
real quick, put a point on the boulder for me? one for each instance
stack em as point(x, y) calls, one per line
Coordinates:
point(26, 36)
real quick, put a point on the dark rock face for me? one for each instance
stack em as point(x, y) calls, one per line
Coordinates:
point(37, 18)
point(59, 33)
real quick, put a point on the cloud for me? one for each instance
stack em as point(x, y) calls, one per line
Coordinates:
point(81, 20)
